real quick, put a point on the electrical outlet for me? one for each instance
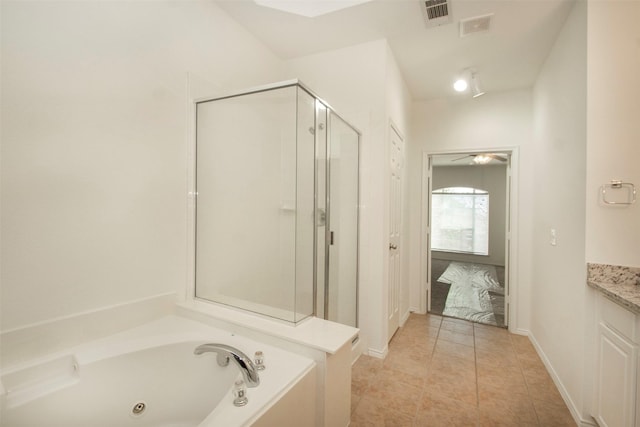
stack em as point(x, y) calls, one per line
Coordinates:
point(552, 237)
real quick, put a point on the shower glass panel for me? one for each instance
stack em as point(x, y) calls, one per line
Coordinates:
point(255, 202)
point(321, 208)
point(305, 205)
point(277, 205)
point(341, 288)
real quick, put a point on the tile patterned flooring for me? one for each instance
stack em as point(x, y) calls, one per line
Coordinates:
point(448, 372)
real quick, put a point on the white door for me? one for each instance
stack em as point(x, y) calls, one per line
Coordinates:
point(396, 156)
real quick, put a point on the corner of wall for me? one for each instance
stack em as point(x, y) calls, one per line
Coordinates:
point(575, 408)
point(41, 339)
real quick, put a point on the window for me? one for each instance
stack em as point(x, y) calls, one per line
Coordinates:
point(460, 220)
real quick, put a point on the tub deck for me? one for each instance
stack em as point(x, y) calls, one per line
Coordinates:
point(154, 363)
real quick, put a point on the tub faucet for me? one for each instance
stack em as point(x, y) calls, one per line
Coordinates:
point(226, 353)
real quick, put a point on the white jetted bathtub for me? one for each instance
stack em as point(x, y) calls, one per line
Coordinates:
point(150, 376)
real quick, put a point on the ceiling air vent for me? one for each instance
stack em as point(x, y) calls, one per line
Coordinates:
point(436, 12)
point(478, 24)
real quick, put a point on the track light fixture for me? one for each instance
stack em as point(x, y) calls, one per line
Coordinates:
point(469, 80)
point(476, 91)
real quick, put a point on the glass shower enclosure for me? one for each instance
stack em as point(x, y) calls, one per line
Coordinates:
point(277, 205)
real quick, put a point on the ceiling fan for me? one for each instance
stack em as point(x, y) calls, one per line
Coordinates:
point(483, 158)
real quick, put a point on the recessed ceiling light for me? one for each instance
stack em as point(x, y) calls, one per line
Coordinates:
point(309, 8)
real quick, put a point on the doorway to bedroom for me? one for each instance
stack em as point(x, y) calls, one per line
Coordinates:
point(468, 236)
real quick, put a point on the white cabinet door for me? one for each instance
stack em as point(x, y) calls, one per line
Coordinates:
point(638, 392)
point(616, 382)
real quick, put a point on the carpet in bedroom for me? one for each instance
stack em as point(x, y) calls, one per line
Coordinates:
point(486, 301)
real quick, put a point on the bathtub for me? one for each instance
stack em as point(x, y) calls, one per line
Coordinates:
point(148, 376)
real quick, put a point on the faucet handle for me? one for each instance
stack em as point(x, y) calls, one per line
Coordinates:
point(240, 393)
point(259, 361)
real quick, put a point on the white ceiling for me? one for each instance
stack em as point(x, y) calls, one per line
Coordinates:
point(507, 57)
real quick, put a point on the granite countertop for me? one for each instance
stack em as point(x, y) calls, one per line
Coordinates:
point(621, 284)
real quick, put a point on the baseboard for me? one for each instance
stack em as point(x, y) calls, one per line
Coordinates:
point(377, 353)
point(404, 318)
point(416, 310)
point(519, 331)
point(37, 340)
point(573, 408)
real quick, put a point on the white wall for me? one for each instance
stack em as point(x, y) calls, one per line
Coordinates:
point(346, 79)
point(558, 295)
point(94, 123)
point(94, 156)
point(613, 126)
point(350, 80)
point(493, 179)
point(498, 120)
point(399, 104)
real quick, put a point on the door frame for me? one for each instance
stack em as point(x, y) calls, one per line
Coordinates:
point(511, 235)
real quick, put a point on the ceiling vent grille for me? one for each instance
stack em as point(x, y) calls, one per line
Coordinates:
point(436, 12)
point(478, 24)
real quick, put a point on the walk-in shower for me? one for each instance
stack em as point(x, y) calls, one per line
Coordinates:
point(277, 204)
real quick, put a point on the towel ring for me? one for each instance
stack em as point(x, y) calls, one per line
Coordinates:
point(618, 185)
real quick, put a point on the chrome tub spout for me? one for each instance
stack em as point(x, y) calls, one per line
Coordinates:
point(226, 353)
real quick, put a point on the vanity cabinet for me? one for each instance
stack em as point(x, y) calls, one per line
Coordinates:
point(617, 363)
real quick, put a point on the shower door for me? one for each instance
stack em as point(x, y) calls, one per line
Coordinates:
point(341, 289)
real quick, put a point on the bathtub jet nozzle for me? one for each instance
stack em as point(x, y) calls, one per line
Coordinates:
point(226, 353)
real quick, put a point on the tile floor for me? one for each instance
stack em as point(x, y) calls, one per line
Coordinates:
point(450, 372)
